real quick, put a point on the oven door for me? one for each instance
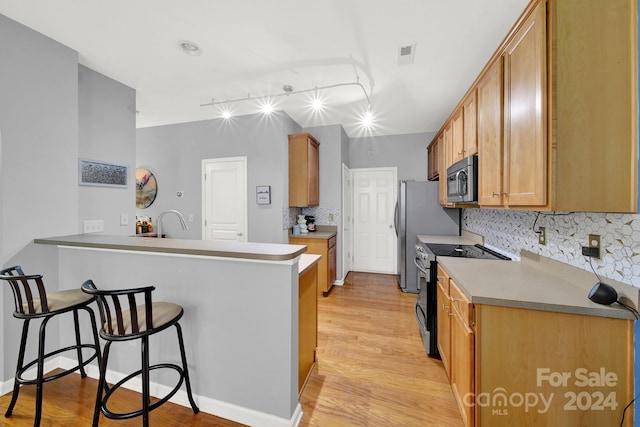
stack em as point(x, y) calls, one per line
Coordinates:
point(421, 303)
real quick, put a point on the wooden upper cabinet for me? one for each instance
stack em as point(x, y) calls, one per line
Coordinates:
point(433, 160)
point(304, 166)
point(557, 111)
point(457, 136)
point(470, 113)
point(490, 130)
point(525, 130)
point(446, 158)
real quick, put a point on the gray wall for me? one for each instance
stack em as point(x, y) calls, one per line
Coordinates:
point(44, 131)
point(107, 133)
point(174, 154)
point(406, 152)
point(39, 125)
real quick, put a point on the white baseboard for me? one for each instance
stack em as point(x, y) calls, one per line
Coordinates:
point(338, 282)
point(210, 406)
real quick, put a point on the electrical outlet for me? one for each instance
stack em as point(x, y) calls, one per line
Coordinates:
point(93, 226)
point(594, 243)
point(542, 235)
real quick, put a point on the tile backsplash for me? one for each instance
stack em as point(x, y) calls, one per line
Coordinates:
point(323, 215)
point(509, 232)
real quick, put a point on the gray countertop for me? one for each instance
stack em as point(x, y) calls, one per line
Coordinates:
point(323, 232)
point(247, 250)
point(535, 282)
point(521, 285)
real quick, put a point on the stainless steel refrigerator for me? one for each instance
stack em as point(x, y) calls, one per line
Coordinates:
point(418, 211)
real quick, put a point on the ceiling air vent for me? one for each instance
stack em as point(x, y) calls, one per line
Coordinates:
point(406, 53)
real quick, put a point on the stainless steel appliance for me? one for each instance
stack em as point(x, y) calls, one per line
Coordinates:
point(418, 211)
point(462, 181)
point(426, 262)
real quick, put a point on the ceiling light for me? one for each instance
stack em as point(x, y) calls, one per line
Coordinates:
point(317, 104)
point(226, 114)
point(266, 108)
point(190, 48)
point(367, 119)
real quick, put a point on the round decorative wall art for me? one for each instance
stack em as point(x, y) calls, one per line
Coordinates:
point(146, 188)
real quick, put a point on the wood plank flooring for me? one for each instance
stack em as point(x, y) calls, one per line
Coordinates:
point(371, 371)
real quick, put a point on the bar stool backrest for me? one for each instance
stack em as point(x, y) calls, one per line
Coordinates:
point(29, 294)
point(118, 309)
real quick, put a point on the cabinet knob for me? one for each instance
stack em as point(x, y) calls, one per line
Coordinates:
point(495, 194)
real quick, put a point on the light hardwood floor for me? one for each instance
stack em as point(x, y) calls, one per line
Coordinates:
point(371, 371)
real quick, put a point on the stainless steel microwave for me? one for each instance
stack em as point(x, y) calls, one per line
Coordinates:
point(462, 181)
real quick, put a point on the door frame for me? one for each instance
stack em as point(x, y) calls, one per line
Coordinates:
point(203, 185)
point(394, 244)
point(347, 220)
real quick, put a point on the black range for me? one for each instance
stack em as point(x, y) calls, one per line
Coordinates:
point(427, 263)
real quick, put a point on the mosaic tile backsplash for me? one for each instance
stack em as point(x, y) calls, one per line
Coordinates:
point(509, 232)
point(324, 216)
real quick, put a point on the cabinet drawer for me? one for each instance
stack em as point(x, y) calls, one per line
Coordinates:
point(460, 304)
point(443, 280)
point(331, 242)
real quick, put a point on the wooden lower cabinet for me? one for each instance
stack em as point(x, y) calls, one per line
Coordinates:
point(307, 323)
point(444, 312)
point(520, 367)
point(327, 264)
point(462, 354)
point(537, 368)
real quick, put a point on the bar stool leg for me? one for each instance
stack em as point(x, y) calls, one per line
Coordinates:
point(76, 324)
point(40, 370)
point(186, 370)
point(16, 384)
point(145, 381)
point(102, 384)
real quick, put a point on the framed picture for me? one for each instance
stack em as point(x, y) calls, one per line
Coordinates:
point(263, 194)
point(102, 174)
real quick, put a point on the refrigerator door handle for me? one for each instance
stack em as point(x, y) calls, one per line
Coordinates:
point(395, 219)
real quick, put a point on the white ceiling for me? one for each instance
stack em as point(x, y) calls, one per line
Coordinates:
point(254, 47)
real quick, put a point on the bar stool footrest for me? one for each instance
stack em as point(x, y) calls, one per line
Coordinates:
point(23, 381)
point(133, 414)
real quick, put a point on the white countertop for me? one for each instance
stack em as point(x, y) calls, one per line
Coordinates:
point(306, 261)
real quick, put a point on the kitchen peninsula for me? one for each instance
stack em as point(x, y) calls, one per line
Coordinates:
point(241, 315)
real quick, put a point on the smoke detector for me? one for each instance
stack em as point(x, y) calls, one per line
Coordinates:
point(406, 53)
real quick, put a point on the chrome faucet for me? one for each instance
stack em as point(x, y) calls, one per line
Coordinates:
point(183, 223)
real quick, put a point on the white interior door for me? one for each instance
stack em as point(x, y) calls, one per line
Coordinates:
point(374, 239)
point(347, 221)
point(224, 199)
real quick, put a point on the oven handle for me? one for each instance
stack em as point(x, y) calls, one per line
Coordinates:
point(415, 262)
point(421, 324)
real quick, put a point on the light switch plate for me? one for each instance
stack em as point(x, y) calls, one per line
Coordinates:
point(124, 219)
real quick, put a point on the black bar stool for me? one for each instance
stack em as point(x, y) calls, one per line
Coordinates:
point(135, 322)
point(33, 302)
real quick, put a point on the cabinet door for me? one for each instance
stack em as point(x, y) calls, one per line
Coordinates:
point(444, 338)
point(462, 366)
point(470, 119)
point(433, 160)
point(457, 136)
point(313, 160)
point(445, 162)
point(490, 136)
point(332, 267)
point(304, 184)
point(525, 138)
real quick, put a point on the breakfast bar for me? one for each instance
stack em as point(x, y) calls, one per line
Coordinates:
point(241, 303)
